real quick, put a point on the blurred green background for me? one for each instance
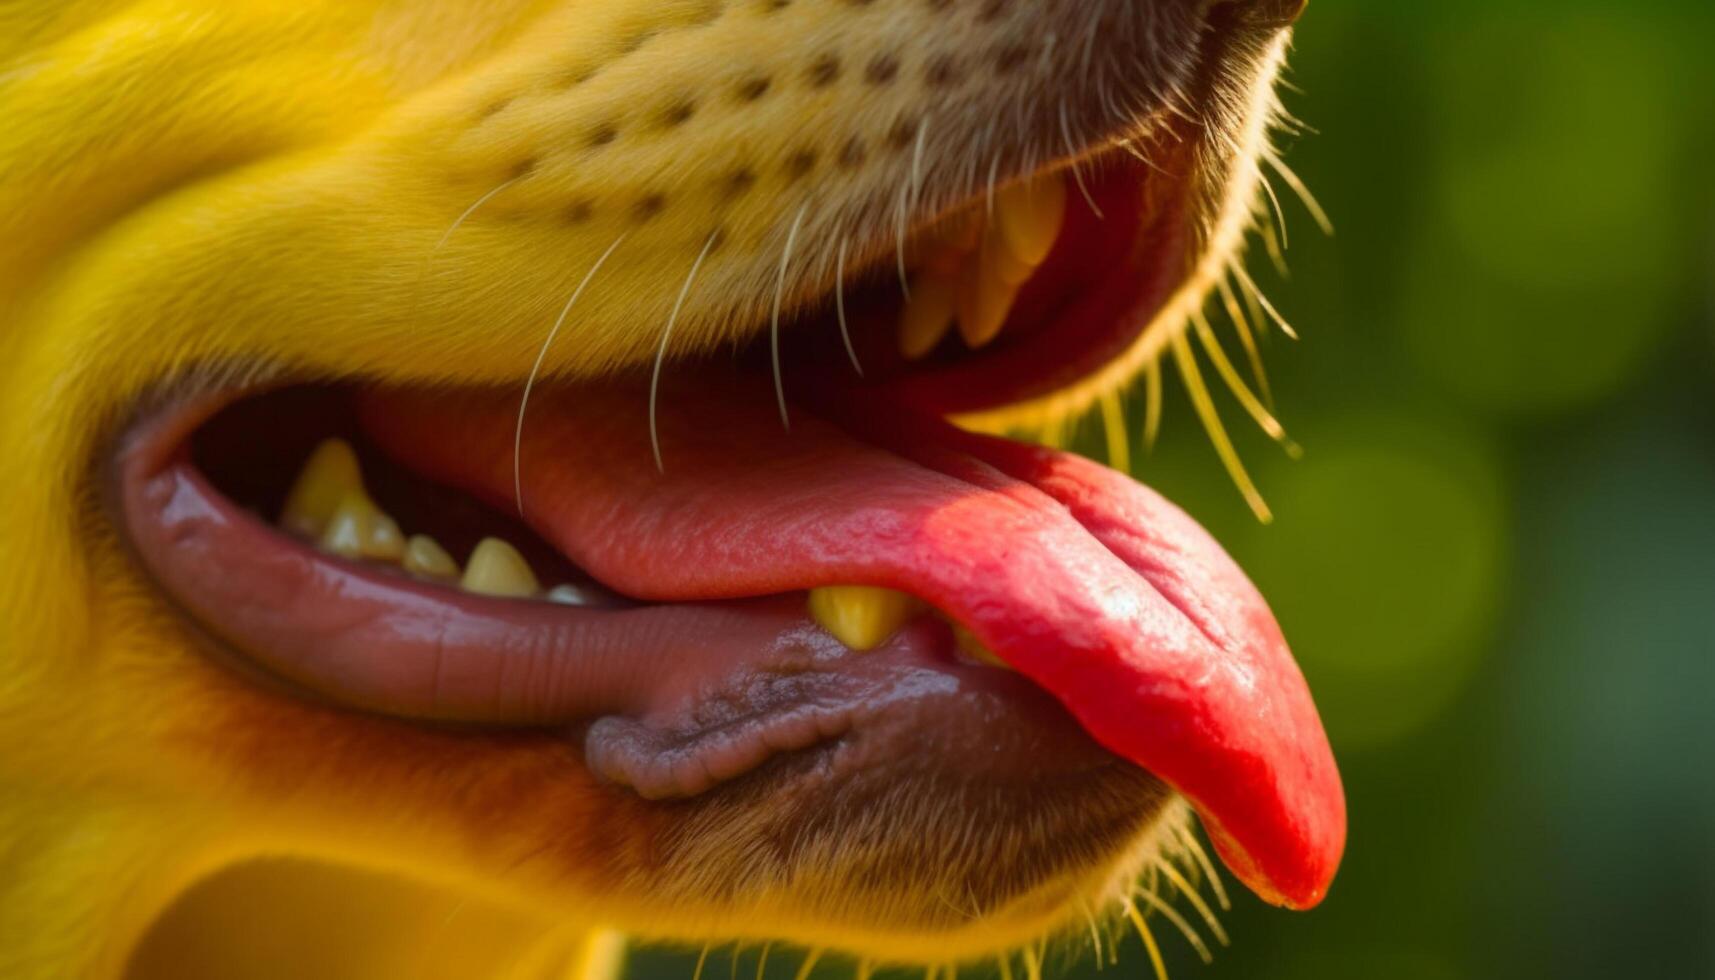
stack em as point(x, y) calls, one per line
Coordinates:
point(1496, 558)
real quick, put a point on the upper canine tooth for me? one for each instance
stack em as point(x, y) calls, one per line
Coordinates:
point(1030, 214)
point(359, 529)
point(998, 262)
point(861, 617)
point(496, 568)
point(928, 314)
point(984, 302)
point(424, 556)
point(327, 476)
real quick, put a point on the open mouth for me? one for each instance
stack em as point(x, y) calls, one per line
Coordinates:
point(626, 545)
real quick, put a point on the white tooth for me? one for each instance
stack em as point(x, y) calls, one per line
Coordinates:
point(984, 302)
point(330, 473)
point(1030, 214)
point(861, 617)
point(496, 568)
point(425, 557)
point(927, 315)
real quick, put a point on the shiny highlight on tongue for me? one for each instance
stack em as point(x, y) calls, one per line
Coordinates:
point(969, 271)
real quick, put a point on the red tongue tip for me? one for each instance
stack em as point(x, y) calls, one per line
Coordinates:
point(1084, 580)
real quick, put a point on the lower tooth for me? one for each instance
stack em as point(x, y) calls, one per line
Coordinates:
point(496, 568)
point(425, 557)
point(358, 529)
point(861, 617)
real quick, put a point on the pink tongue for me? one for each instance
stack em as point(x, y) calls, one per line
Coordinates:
point(1089, 583)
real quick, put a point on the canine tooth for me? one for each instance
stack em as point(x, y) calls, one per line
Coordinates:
point(497, 569)
point(1030, 214)
point(973, 648)
point(927, 315)
point(359, 529)
point(998, 262)
point(327, 476)
point(424, 556)
point(861, 617)
point(984, 302)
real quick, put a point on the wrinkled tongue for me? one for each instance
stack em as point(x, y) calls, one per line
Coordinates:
point(1085, 581)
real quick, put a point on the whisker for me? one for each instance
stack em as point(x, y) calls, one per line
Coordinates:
point(810, 960)
point(661, 355)
point(1247, 339)
point(774, 326)
point(1302, 189)
point(478, 203)
point(1032, 963)
point(908, 202)
point(702, 958)
point(762, 961)
point(1172, 915)
point(1241, 391)
point(1274, 205)
point(1148, 939)
point(864, 970)
point(994, 168)
point(1186, 360)
point(1196, 900)
point(1250, 286)
point(840, 306)
point(1077, 173)
point(1005, 962)
point(1195, 846)
point(1151, 403)
point(1113, 428)
point(536, 370)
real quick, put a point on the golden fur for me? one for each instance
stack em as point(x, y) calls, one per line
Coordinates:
point(195, 191)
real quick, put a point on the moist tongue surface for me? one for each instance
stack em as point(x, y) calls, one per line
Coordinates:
point(1084, 580)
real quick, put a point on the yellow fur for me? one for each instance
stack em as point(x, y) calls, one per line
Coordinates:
point(192, 189)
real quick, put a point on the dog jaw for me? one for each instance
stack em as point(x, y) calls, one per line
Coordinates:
point(410, 193)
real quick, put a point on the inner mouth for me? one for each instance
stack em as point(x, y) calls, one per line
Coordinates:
point(426, 554)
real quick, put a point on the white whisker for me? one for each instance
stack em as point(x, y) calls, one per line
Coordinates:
point(536, 369)
point(1077, 173)
point(908, 202)
point(774, 323)
point(479, 202)
point(840, 306)
point(661, 357)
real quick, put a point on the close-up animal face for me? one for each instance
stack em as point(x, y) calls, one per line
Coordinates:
point(536, 447)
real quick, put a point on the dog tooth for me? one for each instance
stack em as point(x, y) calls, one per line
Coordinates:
point(974, 648)
point(999, 263)
point(327, 476)
point(496, 568)
point(984, 302)
point(359, 529)
point(424, 556)
point(928, 314)
point(861, 617)
point(1030, 215)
